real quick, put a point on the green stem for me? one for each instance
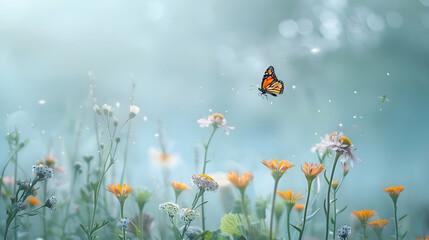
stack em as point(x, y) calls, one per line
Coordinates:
point(328, 202)
point(305, 209)
point(45, 236)
point(141, 222)
point(122, 216)
point(276, 182)
point(126, 152)
point(14, 189)
point(289, 210)
point(246, 214)
point(335, 213)
point(396, 220)
point(206, 147)
point(364, 232)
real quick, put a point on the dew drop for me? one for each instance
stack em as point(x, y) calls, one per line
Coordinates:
point(354, 116)
point(20, 107)
point(118, 104)
point(87, 128)
point(7, 134)
point(318, 110)
point(156, 135)
point(226, 111)
point(62, 153)
point(59, 137)
point(388, 74)
point(43, 131)
point(293, 87)
point(201, 86)
point(361, 116)
point(329, 100)
point(381, 109)
point(41, 101)
point(355, 92)
point(145, 118)
point(210, 110)
point(134, 142)
point(271, 102)
point(340, 124)
point(315, 133)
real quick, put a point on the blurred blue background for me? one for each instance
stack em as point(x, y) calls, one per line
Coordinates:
point(190, 59)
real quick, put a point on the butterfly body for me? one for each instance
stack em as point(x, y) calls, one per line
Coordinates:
point(270, 84)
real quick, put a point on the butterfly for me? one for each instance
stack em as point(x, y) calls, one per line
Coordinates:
point(270, 84)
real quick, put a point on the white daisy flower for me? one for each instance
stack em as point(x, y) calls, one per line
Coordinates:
point(205, 182)
point(164, 160)
point(336, 141)
point(134, 110)
point(107, 109)
point(216, 120)
point(170, 208)
point(96, 109)
point(188, 215)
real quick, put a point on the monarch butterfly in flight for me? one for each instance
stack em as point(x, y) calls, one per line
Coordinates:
point(270, 84)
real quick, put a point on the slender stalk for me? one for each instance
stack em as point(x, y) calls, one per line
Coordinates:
point(335, 213)
point(246, 214)
point(305, 209)
point(328, 202)
point(122, 216)
point(126, 152)
point(289, 210)
point(45, 235)
point(276, 182)
point(206, 147)
point(15, 231)
point(141, 222)
point(396, 220)
point(364, 232)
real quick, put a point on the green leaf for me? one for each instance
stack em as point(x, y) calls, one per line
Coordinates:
point(138, 231)
point(401, 218)
point(177, 233)
point(333, 200)
point(296, 228)
point(332, 221)
point(326, 178)
point(342, 210)
point(83, 228)
point(403, 235)
point(312, 215)
point(324, 207)
point(229, 224)
point(94, 186)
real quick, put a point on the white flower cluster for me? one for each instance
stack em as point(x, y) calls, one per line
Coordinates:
point(170, 208)
point(187, 215)
point(107, 109)
point(124, 222)
point(51, 203)
point(43, 172)
point(205, 183)
point(336, 141)
point(344, 232)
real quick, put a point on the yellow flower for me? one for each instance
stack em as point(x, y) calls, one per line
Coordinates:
point(394, 192)
point(311, 171)
point(299, 207)
point(33, 201)
point(277, 168)
point(50, 161)
point(120, 192)
point(241, 181)
point(364, 215)
point(379, 224)
point(427, 238)
point(179, 187)
point(289, 197)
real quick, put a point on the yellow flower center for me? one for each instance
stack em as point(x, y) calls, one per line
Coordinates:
point(164, 157)
point(218, 115)
point(346, 141)
point(206, 176)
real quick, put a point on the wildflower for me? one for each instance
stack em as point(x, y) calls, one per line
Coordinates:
point(299, 207)
point(216, 120)
point(344, 232)
point(311, 171)
point(336, 141)
point(179, 187)
point(320, 147)
point(120, 192)
point(115, 122)
point(187, 215)
point(394, 192)
point(42, 171)
point(204, 182)
point(335, 184)
point(8, 180)
point(277, 168)
point(23, 185)
point(163, 159)
point(124, 222)
point(426, 236)
point(96, 109)
point(378, 224)
point(33, 201)
point(134, 110)
point(364, 215)
point(170, 208)
point(51, 203)
point(107, 109)
point(346, 168)
point(239, 180)
point(289, 198)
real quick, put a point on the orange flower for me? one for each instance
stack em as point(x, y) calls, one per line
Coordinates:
point(427, 238)
point(394, 192)
point(299, 207)
point(277, 168)
point(33, 201)
point(241, 181)
point(50, 161)
point(335, 184)
point(289, 197)
point(179, 187)
point(311, 171)
point(379, 224)
point(364, 215)
point(120, 192)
